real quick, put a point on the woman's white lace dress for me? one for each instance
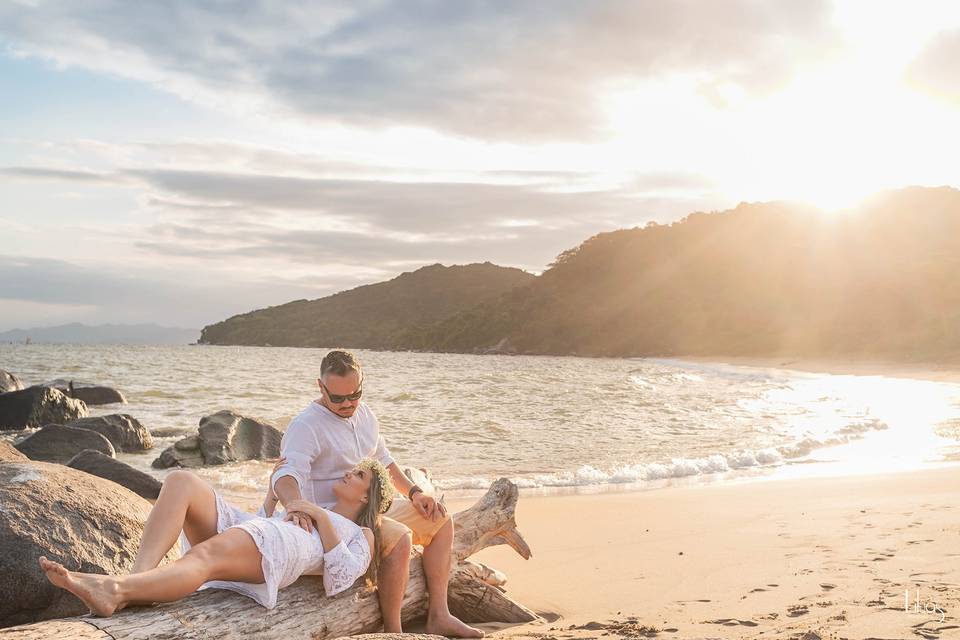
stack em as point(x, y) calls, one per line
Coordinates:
point(290, 552)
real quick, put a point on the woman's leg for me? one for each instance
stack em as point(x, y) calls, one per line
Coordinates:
point(231, 555)
point(185, 503)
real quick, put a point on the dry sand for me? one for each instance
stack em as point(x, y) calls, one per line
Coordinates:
point(754, 559)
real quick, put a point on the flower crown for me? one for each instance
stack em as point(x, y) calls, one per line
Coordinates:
point(387, 492)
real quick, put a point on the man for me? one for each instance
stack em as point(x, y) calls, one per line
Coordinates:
point(327, 439)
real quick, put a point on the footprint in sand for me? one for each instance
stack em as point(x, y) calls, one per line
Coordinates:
point(731, 622)
point(826, 586)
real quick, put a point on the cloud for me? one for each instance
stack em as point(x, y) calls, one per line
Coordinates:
point(524, 71)
point(209, 243)
point(167, 295)
point(934, 69)
point(57, 175)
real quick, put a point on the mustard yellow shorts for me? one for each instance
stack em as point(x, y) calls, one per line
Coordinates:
point(402, 517)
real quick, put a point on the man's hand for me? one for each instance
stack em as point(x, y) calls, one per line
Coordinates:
point(302, 512)
point(300, 519)
point(428, 506)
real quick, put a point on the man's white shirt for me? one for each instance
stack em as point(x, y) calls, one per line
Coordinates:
point(320, 447)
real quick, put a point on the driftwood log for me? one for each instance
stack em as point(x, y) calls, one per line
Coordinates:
point(303, 611)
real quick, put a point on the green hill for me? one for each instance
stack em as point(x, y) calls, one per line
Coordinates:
point(371, 316)
point(882, 280)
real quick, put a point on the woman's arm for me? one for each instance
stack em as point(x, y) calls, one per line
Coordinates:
point(346, 562)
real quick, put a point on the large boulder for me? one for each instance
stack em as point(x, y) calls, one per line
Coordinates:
point(9, 382)
point(87, 523)
point(95, 462)
point(57, 443)
point(36, 406)
point(9, 453)
point(89, 392)
point(223, 437)
point(124, 432)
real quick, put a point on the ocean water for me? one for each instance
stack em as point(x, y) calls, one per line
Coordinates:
point(548, 423)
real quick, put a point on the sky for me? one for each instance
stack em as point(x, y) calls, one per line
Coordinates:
point(181, 162)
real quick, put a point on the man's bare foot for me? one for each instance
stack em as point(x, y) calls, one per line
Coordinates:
point(452, 627)
point(92, 589)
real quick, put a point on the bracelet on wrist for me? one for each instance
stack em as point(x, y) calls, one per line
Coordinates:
point(413, 490)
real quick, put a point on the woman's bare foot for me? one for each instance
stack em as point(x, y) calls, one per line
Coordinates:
point(97, 593)
point(452, 627)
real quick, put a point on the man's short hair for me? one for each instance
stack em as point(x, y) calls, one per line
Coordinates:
point(339, 362)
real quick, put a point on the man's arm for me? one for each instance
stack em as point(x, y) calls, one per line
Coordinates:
point(400, 480)
point(300, 448)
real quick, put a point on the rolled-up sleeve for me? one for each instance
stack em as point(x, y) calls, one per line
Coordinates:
point(383, 454)
point(300, 447)
point(344, 563)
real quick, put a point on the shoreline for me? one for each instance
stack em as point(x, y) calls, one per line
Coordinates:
point(921, 370)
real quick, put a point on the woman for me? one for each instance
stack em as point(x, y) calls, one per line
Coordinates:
point(231, 549)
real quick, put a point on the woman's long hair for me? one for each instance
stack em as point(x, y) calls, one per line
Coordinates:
point(379, 497)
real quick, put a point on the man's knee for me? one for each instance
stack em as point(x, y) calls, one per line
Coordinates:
point(447, 525)
point(400, 553)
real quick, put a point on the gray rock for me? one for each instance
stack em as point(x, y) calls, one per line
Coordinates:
point(9, 453)
point(89, 392)
point(124, 432)
point(9, 382)
point(223, 437)
point(95, 462)
point(57, 443)
point(85, 522)
point(36, 406)
point(166, 432)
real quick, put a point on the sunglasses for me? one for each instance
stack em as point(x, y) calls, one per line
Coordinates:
point(337, 399)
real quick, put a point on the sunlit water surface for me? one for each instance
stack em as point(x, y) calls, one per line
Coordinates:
point(545, 422)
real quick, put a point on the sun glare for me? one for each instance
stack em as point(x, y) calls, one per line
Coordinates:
point(847, 124)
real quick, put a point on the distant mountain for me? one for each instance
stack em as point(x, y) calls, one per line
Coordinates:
point(373, 316)
point(881, 280)
point(76, 333)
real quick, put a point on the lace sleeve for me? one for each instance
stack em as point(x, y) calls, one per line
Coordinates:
point(346, 562)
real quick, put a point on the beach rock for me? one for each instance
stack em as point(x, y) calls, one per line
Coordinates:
point(166, 432)
point(85, 522)
point(223, 437)
point(9, 382)
point(57, 443)
point(124, 432)
point(9, 453)
point(87, 391)
point(95, 462)
point(36, 406)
